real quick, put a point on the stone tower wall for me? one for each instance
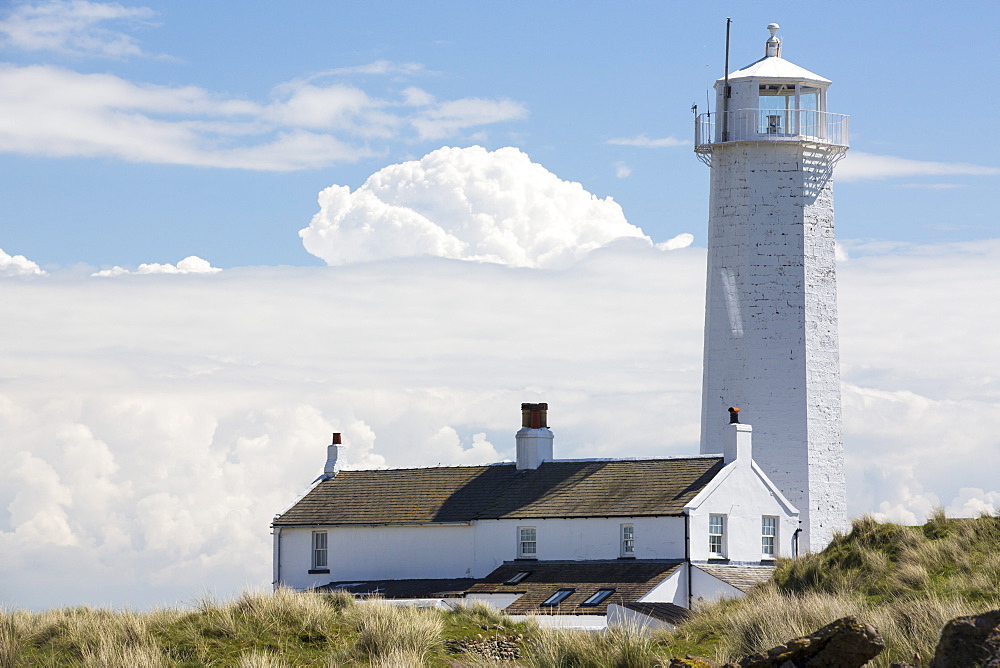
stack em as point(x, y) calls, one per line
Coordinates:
point(771, 344)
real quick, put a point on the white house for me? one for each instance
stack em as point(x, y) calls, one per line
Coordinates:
point(642, 539)
point(542, 535)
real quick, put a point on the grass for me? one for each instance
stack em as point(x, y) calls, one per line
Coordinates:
point(905, 581)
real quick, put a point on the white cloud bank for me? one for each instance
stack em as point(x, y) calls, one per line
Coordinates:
point(189, 265)
point(152, 428)
point(467, 204)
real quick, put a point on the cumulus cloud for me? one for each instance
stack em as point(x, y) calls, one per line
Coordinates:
point(468, 204)
point(860, 166)
point(189, 265)
point(18, 265)
point(307, 124)
point(73, 27)
point(648, 142)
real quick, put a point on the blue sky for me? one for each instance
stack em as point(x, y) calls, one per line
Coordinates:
point(231, 228)
point(574, 80)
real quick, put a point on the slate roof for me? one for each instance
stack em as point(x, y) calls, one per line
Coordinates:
point(415, 588)
point(566, 489)
point(743, 578)
point(631, 580)
point(665, 612)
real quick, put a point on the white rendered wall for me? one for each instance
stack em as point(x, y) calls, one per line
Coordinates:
point(740, 493)
point(475, 550)
point(771, 344)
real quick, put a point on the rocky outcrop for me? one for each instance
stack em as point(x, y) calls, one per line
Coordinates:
point(499, 649)
point(845, 643)
point(969, 641)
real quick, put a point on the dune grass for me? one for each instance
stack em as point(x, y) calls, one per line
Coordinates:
point(905, 581)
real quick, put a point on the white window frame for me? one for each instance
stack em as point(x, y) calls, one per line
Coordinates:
point(717, 536)
point(320, 550)
point(527, 542)
point(768, 537)
point(627, 543)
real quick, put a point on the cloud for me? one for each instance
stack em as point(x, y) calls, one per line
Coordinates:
point(52, 111)
point(622, 171)
point(646, 142)
point(446, 119)
point(189, 265)
point(18, 265)
point(859, 166)
point(682, 240)
point(72, 27)
point(380, 67)
point(467, 204)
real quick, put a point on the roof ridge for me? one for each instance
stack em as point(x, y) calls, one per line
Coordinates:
point(580, 460)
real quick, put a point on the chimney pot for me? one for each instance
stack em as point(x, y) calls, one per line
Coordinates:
point(336, 438)
point(534, 416)
point(734, 415)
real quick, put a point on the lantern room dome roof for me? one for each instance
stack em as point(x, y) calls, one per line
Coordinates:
point(775, 67)
point(772, 66)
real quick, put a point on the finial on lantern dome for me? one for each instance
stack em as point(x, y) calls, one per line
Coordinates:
point(773, 47)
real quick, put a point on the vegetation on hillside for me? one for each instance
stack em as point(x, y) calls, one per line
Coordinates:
point(905, 581)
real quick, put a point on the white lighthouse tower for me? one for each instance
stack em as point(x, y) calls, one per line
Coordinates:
point(771, 344)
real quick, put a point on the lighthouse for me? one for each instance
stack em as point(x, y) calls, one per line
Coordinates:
point(771, 342)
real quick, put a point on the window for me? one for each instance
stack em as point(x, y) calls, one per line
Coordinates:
point(527, 545)
point(768, 536)
point(319, 551)
point(716, 535)
point(628, 540)
point(556, 598)
point(598, 597)
point(517, 577)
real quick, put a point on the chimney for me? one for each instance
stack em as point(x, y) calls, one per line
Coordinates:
point(736, 444)
point(534, 440)
point(335, 459)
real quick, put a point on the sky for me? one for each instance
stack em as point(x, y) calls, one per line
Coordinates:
point(230, 229)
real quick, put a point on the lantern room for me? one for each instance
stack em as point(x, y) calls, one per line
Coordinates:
point(770, 100)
